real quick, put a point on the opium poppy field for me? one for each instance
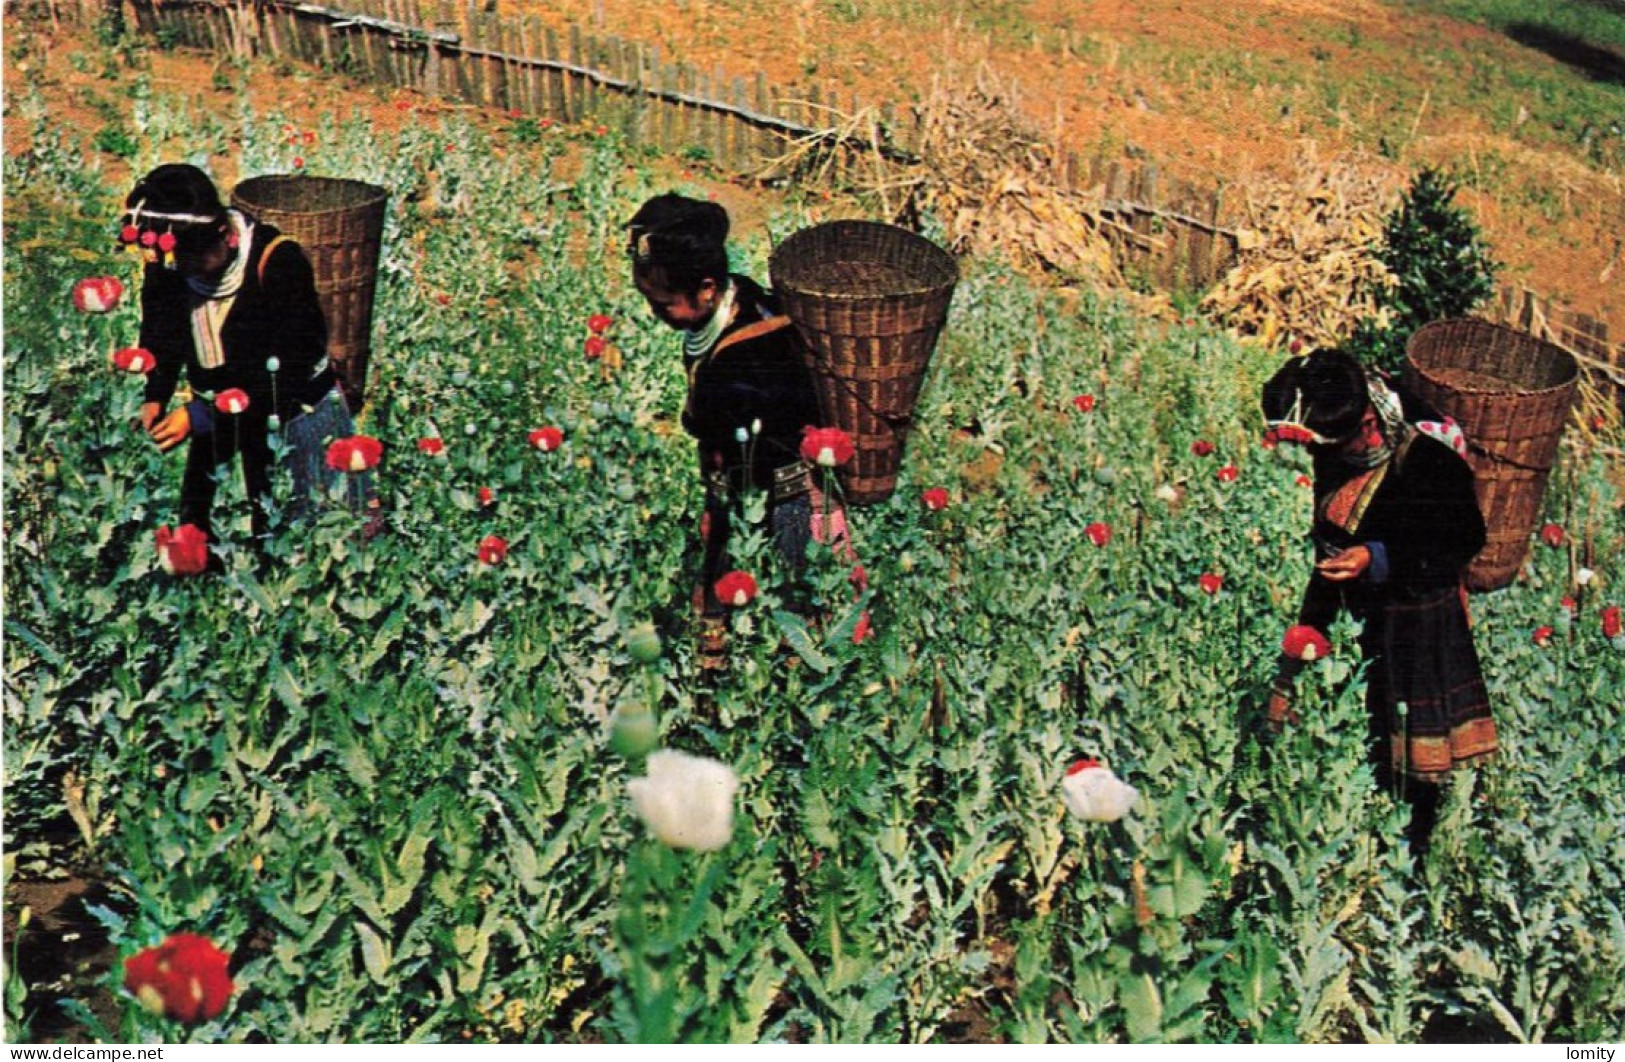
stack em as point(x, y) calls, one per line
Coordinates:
point(464, 780)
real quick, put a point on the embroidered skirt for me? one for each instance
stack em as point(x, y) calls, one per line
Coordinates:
point(1427, 697)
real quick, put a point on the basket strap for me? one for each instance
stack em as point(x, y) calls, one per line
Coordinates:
point(265, 255)
point(766, 326)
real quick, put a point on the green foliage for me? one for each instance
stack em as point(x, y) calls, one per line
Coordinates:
point(1439, 267)
point(382, 774)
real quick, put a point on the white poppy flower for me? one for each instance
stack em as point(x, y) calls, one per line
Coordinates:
point(1093, 793)
point(686, 801)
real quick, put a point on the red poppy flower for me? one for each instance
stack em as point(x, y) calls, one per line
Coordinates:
point(546, 439)
point(1269, 440)
point(1612, 622)
point(859, 578)
point(298, 163)
point(862, 632)
point(186, 978)
point(493, 550)
point(97, 294)
point(826, 446)
point(1304, 481)
point(736, 588)
point(1303, 642)
point(595, 346)
point(599, 323)
point(1542, 636)
point(1201, 447)
point(184, 551)
point(232, 400)
point(1552, 535)
point(1099, 533)
point(1227, 474)
point(134, 359)
point(1083, 403)
point(1291, 433)
point(935, 499)
point(433, 445)
point(357, 453)
point(486, 495)
point(1568, 604)
point(1210, 582)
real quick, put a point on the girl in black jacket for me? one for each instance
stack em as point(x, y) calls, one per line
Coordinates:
point(750, 394)
point(230, 302)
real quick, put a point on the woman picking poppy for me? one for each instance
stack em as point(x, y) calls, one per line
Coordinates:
point(1396, 522)
point(749, 398)
point(231, 302)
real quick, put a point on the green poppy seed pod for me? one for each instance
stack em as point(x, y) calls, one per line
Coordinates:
point(634, 731)
point(1105, 475)
point(643, 643)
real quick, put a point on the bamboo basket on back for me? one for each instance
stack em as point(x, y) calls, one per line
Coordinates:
point(1512, 394)
point(869, 300)
point(340, 225)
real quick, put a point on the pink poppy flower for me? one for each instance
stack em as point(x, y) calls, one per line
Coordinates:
point(231, 401)
point(1099, 533)
point(826, 447)
point(1303, 642)
point(862, 632)
point(186, 978)
point(736, 589)
point(357, 453)
point(493, 550)
point(185, 551)
point(135, 359)
point(546, 439)
point(935, 499)
point(97, 294)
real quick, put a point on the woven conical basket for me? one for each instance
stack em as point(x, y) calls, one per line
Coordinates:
point(1511, 393)
point(869, 300)
point(340, 225)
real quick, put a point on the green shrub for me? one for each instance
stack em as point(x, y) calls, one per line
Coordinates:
point(1440, 266)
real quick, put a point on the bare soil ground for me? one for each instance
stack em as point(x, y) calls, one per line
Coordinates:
point(1213, 93)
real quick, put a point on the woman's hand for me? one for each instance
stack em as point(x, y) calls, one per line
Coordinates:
point(169, 431)
point(149, 414)
point(1279, 711)
point(1349, 564)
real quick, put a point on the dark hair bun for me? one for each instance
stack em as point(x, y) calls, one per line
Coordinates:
point(1326, 388)
point(678, 217)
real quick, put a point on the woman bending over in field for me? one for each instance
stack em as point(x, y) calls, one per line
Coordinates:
point(749, 392)
point(232, 303)
point(1396, 522)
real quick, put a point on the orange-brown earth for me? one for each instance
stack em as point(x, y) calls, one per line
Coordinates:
point(1196, 88)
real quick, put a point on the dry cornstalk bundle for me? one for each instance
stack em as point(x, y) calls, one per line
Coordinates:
point(988, 177)
point(995, 185)
point(1307, 267)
